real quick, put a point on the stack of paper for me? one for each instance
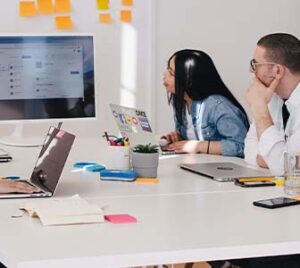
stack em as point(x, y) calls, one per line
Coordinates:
point(73, 210)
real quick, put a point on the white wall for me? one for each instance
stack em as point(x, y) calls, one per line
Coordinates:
point(227, 30)
point(123, 56)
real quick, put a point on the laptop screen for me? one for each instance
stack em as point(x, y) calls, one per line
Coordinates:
point(52, 158)
point(134, 124)
point(130, 120)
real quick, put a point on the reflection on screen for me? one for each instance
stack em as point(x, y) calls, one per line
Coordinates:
point(52, 159)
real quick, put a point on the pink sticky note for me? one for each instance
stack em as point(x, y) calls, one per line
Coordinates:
point(120, 218)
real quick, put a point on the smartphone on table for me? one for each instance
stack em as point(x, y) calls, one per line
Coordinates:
point(277, 202)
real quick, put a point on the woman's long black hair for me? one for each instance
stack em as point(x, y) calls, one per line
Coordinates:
point(196, 74)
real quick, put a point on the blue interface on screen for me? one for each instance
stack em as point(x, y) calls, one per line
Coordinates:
point(46, 77)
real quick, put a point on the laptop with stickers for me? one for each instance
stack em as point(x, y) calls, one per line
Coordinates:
point(134, 124)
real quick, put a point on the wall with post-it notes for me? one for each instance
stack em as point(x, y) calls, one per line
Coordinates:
point(27, 9)
point(103, 4)
point(113, 59)
point(64, 23)
point(62, 6)
point(126, 16)
point(127, 3)
point(45, 7)
point(105, 18)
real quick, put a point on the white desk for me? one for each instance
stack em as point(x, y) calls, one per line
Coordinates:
point(172, 179)
point(184, 218)
point(171, 229)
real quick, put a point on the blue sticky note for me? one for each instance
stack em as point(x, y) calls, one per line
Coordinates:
point(84, 164)
point(94, 168)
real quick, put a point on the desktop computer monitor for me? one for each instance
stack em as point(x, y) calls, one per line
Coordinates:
point(46, 77)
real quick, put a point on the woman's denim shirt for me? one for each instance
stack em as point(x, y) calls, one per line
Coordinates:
point(217, 119)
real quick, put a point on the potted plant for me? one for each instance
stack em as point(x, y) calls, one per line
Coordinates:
point(145, 160)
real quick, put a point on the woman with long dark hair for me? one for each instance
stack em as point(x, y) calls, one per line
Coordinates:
point(208, 118)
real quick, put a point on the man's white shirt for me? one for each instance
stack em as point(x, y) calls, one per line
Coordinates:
point(274, 141)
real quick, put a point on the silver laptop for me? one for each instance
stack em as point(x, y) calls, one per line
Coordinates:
point(49, 165)
point(224, 171)
point(134, 124)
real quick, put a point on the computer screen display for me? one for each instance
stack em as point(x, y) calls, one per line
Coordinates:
point(47, 77)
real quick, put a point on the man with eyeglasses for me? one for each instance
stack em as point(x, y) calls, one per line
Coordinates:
point(274, 100)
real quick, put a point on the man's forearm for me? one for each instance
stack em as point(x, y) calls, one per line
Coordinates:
point(263, 120)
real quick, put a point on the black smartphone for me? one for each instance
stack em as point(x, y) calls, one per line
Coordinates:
point(254, 183)
point(277, 202)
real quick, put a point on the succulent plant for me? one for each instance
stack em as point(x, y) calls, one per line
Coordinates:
point(146, 149)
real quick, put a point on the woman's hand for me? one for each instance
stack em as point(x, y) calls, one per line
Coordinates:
point(172, 137)
point(191, 147)
point(10, 186)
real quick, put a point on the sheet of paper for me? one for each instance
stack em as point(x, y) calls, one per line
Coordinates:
point(64, 23)
point(103, 4)
point(127, 3)
point(125, 16)
point(45, 7)
point(63, 6)
point(27, 9)
point(105, 18)
point(120, 218)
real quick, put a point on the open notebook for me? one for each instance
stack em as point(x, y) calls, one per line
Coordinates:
point(71, 210)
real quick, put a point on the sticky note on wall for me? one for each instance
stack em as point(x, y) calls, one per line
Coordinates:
point(62, 6)
point(45, 7)
point(27, 9)
point(105, 18)
point(64, 23)
point(103, 4)
point(125, 16)
point(127, 3)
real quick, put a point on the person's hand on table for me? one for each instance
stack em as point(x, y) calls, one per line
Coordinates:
point(172, 137)
point(10, 186)
point(186, 146)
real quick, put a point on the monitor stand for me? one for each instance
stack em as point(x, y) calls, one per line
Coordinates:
point(17, 139)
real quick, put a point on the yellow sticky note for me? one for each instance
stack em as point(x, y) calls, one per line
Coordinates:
point(64, 23)
point(63, 6)
point(103, 4)
point(105, 18)
point(147, 180)
point(127, 3)
point(45, 6)
point(125, 16)
point(27, 9)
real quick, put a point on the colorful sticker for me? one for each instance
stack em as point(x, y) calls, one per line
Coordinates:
point(145, 124)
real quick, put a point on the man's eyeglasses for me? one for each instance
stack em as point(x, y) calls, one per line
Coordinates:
point(253, 64)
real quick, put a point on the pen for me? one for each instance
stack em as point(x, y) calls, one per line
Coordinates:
point(12, 177)
point(5, 159)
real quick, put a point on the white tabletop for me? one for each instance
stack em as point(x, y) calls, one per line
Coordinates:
point(172, 179)
point(183, 218)
point(170, 229)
